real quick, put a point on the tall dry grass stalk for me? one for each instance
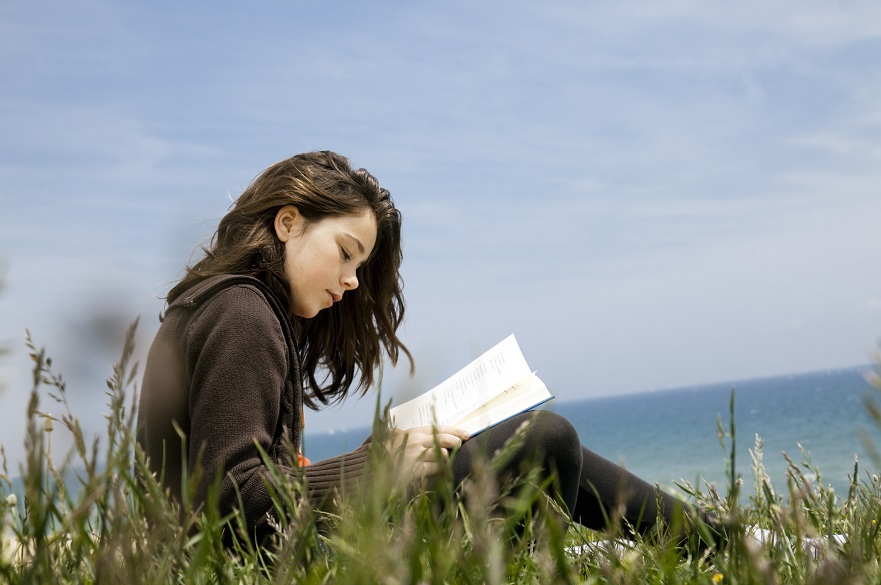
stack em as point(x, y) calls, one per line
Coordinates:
point(97, 516)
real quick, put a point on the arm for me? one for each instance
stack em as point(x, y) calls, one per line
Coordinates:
point(238, 370)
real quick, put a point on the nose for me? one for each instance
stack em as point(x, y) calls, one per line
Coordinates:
point(350, 281)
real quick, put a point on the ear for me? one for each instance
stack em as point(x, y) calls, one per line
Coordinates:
point(288, 223)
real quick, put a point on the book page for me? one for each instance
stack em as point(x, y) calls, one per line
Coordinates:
point(480, 381)
point(525, 395)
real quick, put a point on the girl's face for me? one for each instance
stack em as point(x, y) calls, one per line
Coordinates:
point(321, 259)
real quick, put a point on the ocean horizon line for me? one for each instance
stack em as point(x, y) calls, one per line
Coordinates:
point(863, 369)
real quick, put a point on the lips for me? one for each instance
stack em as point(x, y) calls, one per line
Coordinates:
point(335, 297)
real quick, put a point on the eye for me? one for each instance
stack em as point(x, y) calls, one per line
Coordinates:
point(345, 254)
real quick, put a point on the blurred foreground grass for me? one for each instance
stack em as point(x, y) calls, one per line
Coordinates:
point(91, 526)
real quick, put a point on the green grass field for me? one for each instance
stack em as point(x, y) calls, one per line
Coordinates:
point(93, 529)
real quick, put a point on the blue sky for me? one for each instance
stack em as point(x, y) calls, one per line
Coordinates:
point(649, 195)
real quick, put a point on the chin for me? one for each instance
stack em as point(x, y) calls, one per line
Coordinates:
point(305, 313)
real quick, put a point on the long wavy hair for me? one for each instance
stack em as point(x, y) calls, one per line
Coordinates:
point(343, 345)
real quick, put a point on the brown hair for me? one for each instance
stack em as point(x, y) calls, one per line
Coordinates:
point(353, 333)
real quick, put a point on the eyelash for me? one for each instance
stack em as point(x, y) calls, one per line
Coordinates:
point(345, 254)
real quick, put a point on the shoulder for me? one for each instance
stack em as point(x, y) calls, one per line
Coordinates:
point(227, 293)
point(235, 331)
point(237, 305)
point(225, 305)
point(230, 311)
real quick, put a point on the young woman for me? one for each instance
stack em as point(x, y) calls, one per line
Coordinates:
point(295, 304)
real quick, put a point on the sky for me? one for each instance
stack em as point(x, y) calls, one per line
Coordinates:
point(650, 195)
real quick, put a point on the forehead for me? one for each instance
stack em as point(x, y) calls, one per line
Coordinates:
point(358, 226)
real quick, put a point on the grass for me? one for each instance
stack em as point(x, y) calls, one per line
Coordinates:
point(84, 519)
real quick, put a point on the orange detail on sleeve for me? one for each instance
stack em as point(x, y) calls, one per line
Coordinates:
point(301, 460)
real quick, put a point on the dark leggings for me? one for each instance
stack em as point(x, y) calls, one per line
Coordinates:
point(594, 489)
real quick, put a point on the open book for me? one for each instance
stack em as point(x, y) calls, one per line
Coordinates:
point(489, 390)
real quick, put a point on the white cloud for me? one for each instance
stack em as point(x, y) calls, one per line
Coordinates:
point(653, 193)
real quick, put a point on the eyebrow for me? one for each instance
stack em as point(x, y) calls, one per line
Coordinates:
point(357, 241)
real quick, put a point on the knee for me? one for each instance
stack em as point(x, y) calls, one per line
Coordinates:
point(562, 453)
point(557, 438)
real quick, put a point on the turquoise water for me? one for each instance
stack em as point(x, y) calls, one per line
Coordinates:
point(672, 435)
point(668, 436)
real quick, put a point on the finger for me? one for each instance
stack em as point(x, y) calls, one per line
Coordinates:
point(433, 454)
point(421, 435)
point(428, 468)
point(442, 429)
point(456, 431)
point(448, 441)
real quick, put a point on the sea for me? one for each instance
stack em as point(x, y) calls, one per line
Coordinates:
point(820, 420)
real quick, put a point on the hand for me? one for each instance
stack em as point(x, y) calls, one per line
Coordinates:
point(422, 450)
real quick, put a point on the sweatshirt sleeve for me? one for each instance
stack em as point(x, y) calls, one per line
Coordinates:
point(238, 364)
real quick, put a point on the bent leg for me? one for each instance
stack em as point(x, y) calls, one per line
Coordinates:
point(594, 490)
point(608, 492)
point(550, 441)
